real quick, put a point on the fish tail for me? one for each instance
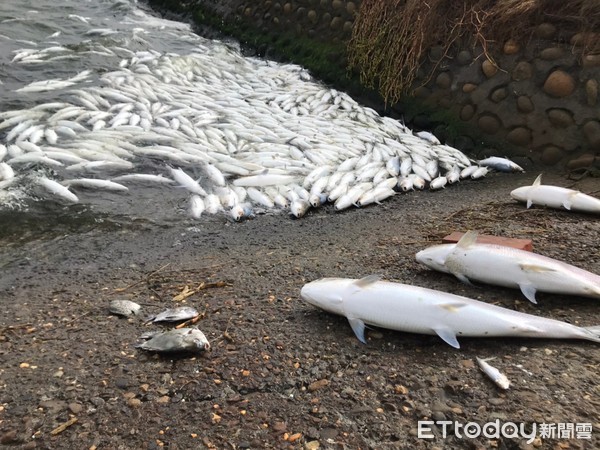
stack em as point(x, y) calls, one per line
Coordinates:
point(592, 333)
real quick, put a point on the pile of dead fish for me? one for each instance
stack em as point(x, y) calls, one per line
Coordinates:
point(179, 339)
point(237, 133)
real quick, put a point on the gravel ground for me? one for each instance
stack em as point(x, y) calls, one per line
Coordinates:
point(280, 374)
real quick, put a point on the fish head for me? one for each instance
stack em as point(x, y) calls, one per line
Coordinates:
point(521, 194)
point(325, 294)
point(198, 339)
point(435, 257)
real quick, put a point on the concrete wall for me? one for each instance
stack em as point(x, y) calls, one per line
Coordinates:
point(539, 100)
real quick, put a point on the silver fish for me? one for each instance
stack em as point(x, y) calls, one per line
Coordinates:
point(174, 315)
point(178, 340)
point(495, 375)
point(124, 308)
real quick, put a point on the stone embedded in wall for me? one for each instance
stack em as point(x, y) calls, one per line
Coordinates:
point(545, 31)
point(591, 131)
point(560, 118)
point(337, 4)
point(590, 61)
point(351, 8)
point(498, 94)
point(511, 47)
point(464, 57)
point(524, 104)
point(551, 155)
point(584, 38)
point(559, 84)
point(591, 92)
point(436, 53)
point(585, 160)
point(336, 23)
point(313, 16)
point(325, 4)
point(421, 92)
point(347, 27)
point(469, 87)
point(552, 53)
point(467, 112)
point(443, 80)
point(489, 68)
point(489, 123)
point(519, 136)
point(287, 8)
point(522, 71)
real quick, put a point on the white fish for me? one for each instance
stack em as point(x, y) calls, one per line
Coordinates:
point(479, 173)
point(259, 197)
point(375, 195)
point(177, 340)
point(144, 177)
point(468, 171)
point(6, 172)
point(426, 135)
point(556, 197)
point(495, 375)
point(413, 309)
point(500, 164)
point(124, 308)
point(57, 189)
point(438, 183)
point(506, 266)
point(196, 206)
point(265, 179)
point(299, 207)
point(187, 182)
point(93, 183)
point(175, 315)
point(405, 184)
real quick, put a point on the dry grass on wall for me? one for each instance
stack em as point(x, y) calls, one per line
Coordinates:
point(390, 37)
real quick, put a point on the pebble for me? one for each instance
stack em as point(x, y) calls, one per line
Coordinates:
point(75, 408)
point(9, 437)
point(318, 385)
point(312, 445)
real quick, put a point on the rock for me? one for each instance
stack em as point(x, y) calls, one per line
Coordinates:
point(312, 16)
point(591, 92)
point(524, 104)
point(464, 57)
point(489, 124)
point(469, 87)
point(337, 4)
point(351, 8)
point(29, 446)
point(519, 136)
point(467, 363)
point(591, 131)
point(489, 68)
point(585, 160)
point(287, 8)
point(499, 94)
point(421, 92)
point(522, 71)
point(511, 47)
point(279, 426)
point(9, 437)
point(545, 31)
point(467, 112)
point(134, 402)
point(436, 53)
point(559, 84)
point(443, 80)
point(328, 433)
point(584, 38)
point(497, 401)
point(318, 385)
point(75, 408)
point(552, 53)
point(551, 155)
point(559, 117)
point(312, 445)
point(590, 61)
point(336, 23)
point(347, 27)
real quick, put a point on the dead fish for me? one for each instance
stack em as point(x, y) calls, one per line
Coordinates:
point(174, 315)
point(495, 375)
point(124, 308)
point(178, 340)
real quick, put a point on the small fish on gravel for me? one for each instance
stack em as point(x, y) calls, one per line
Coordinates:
point(178, 340)
point(174, 315)
point(495, 375)
point(124, 308)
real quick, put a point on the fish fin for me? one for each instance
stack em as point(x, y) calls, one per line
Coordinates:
point(467, 239)
point(462, 278)
point(452, 307)
point(538, 180)
point(358, 326)
point(447, 335)
point(368, 280)
point(535, 268)
point(528, 291)
point(529, 203)
point(569, 200)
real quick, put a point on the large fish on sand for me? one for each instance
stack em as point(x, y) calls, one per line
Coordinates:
point(413, 309)
point(509, 267)
point(556, 197)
